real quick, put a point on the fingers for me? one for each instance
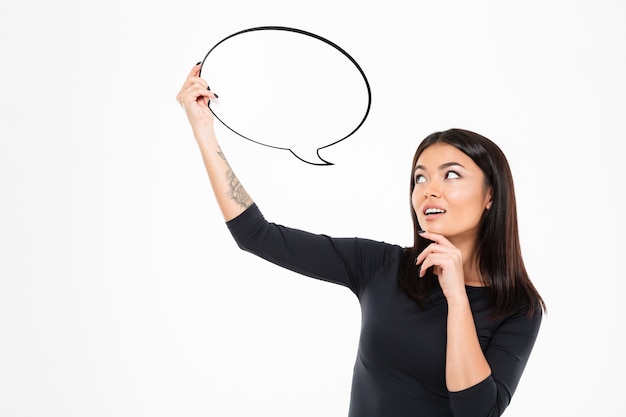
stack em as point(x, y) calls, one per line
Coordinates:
point(195, 71)
point(435, 260)
point(194, 78)
point(192, 94)
point(426, 259)
point(196, 81)
point(439, 242)
point(436, 254)
point(434, 237)
point(195, 89)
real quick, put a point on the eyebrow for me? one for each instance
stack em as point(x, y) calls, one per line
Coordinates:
point(442, 166)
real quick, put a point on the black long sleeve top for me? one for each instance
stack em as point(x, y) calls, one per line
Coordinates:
point(400, 364)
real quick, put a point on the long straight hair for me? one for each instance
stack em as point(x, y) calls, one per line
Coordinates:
point(499, 254)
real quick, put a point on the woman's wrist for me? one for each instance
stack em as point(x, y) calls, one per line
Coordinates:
point(460, 301)
point(204, 132)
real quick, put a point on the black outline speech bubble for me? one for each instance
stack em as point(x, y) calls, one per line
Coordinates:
point(337, 47)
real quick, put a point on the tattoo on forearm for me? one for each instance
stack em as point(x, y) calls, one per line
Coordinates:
point(236, 192)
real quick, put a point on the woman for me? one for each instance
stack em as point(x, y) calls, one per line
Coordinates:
point(448, 324)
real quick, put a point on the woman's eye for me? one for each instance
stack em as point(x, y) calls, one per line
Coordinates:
point(419, 179)
point(452, 175)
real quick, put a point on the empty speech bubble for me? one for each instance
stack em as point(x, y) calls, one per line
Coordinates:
point(287, 89)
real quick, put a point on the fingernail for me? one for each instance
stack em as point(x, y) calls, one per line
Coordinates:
point(199, 63)
point(216, 96)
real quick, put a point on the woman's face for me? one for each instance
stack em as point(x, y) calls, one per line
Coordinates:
point(450, 193)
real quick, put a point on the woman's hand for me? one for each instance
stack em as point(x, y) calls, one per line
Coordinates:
point(194, 97)
point(447, 262)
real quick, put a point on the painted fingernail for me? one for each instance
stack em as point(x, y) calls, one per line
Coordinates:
point(209, 88)
point(199, 63)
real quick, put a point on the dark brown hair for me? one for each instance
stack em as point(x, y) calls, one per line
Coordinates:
point(498, 249)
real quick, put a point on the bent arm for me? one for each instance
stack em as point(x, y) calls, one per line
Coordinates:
point(195, 97)
point(507, 355)
point(466, 364)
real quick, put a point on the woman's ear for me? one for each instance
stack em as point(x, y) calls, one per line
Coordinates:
point(489, 198)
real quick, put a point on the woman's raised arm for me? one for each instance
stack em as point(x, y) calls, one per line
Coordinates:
point(194, 97)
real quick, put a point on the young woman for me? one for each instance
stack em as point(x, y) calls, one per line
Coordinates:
point(447, 324)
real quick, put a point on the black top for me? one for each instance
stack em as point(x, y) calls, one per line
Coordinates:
point(400, 365)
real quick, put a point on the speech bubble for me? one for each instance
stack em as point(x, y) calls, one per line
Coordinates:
point(287, 89)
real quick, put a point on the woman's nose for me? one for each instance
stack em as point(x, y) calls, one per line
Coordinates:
point(432, 190)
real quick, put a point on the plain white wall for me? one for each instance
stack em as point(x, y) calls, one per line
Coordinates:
point(121, 291)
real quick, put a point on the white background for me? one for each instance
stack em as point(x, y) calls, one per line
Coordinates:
point(121, 291)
